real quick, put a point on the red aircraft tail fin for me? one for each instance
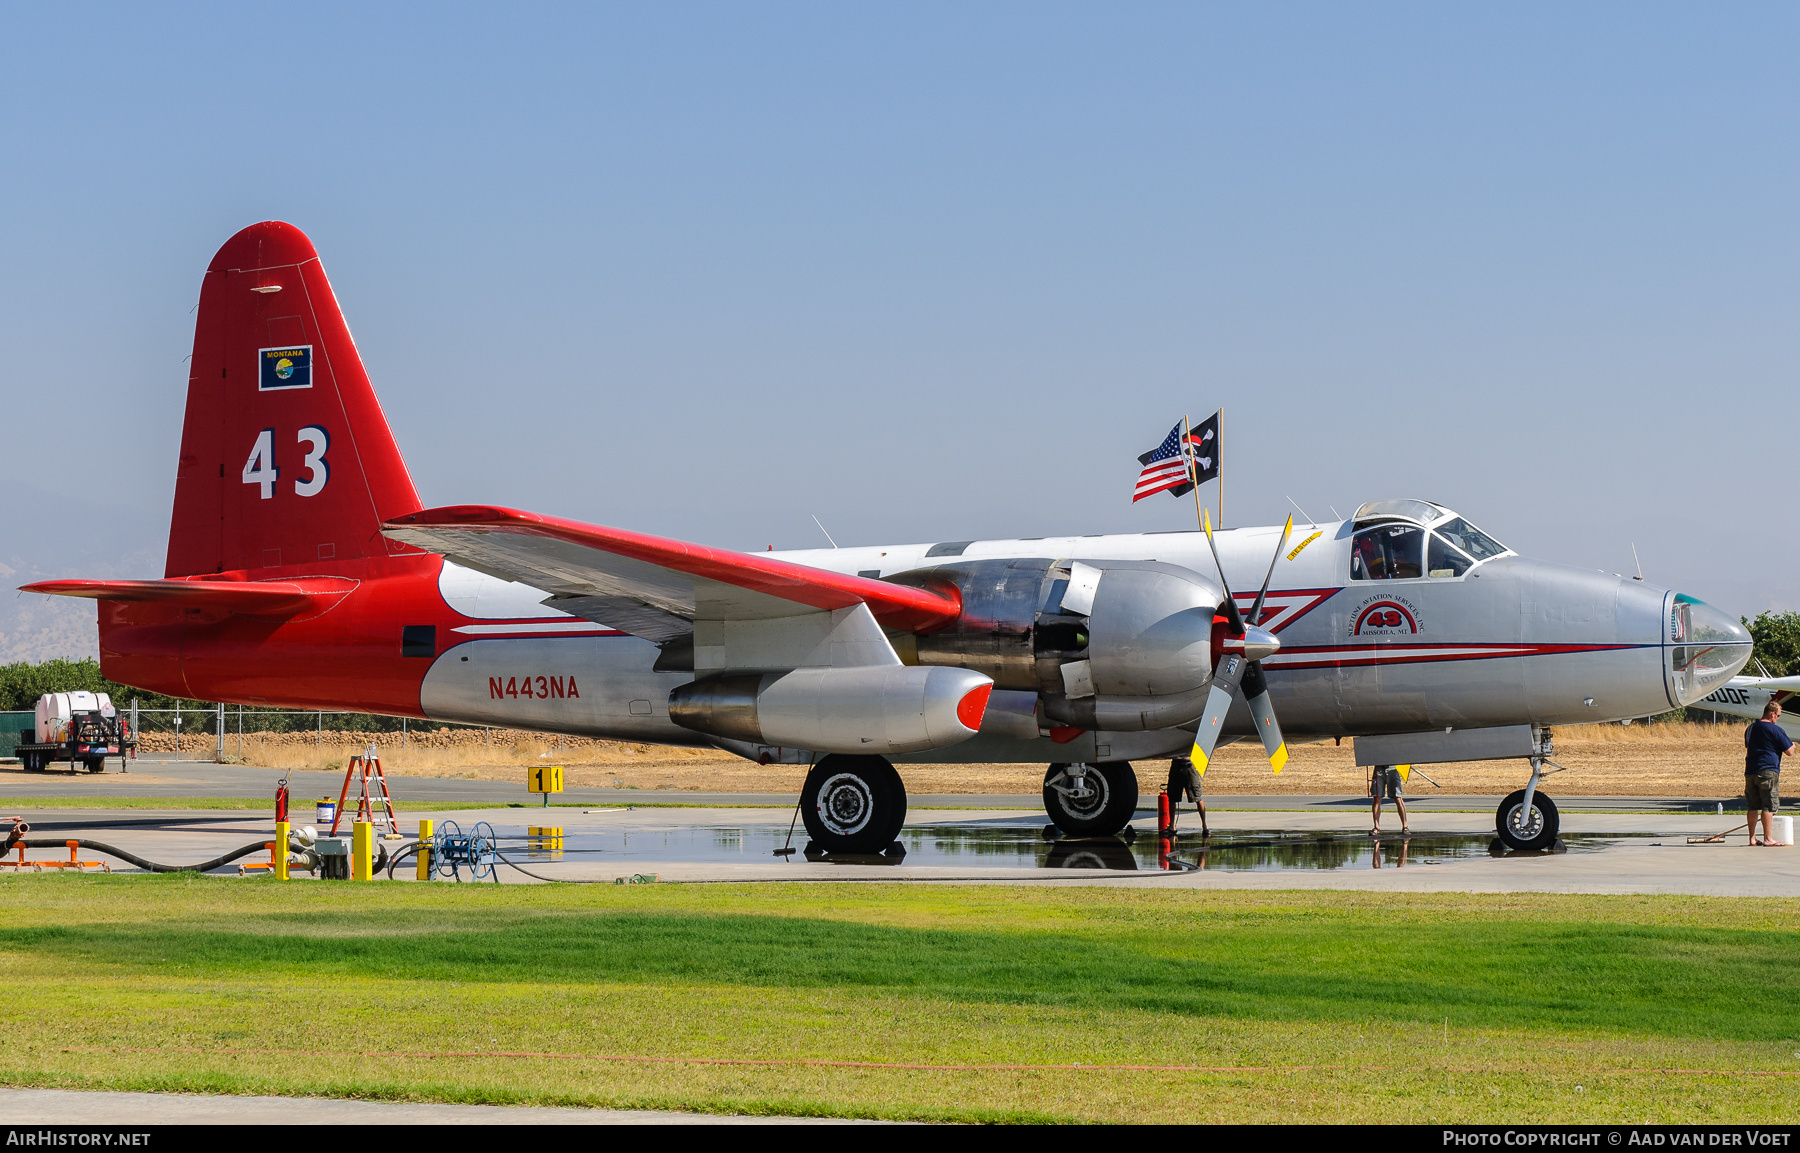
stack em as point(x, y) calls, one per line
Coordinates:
point(287, 462)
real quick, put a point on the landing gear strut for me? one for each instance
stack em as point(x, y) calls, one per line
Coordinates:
point(1527, 819)
point(1091, 800)
point(853, 804)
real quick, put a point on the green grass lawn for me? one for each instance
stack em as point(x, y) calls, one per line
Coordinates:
point(1301, 1006)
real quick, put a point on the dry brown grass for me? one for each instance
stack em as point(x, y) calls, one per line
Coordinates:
point(1682, 760)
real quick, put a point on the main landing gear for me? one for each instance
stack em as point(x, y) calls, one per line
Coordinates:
point(1091, 800)
point(853, 804)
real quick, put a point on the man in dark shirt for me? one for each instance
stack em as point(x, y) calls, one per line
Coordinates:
point(1184, 784)
point(1765, 743)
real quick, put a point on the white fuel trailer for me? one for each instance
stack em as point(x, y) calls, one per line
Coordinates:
point(81, 728)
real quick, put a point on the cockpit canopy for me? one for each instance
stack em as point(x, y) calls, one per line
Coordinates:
point(1414, 539)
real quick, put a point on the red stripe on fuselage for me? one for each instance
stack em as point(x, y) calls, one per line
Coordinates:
point(1364, 656)
point(348, 658)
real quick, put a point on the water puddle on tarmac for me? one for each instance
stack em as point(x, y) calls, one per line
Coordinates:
point(1025, 846)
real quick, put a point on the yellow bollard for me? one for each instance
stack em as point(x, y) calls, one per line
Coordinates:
point(424, 853)
point(362, 852)
point(281, 850)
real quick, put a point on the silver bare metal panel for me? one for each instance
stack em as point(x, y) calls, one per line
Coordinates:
point(834, 638)
point(1437, 746)
point(622, 613)
point(1011, 713)
point(1084, 581)
point(1078, 679)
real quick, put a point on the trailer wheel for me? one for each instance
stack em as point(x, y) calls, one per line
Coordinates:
point(96, 764)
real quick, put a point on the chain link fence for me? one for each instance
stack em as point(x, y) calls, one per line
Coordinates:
point(216, 732)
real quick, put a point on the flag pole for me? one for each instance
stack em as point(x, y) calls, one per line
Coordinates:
point(1187, 456)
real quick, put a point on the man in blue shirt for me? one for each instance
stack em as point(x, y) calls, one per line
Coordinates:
point(1765, 743)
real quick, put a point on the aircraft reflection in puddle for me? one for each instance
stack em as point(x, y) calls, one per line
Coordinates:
point(1025, 847)
point(1028, 846)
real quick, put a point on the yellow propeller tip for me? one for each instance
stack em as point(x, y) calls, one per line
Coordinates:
point(1278, 759)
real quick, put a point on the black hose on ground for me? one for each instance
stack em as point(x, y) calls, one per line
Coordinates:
point(552, 880)
point(401, 854)
point(133, 858)
point(19, 829)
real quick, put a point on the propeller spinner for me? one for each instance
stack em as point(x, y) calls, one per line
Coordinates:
point(1240, 667)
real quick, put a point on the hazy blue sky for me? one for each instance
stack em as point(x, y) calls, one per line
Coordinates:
point(942, 271)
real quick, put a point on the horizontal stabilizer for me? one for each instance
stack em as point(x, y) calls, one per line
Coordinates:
point(688, 581)
point(257, 599)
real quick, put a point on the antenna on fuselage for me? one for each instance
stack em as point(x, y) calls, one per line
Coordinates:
point(1637, 562)
point(834, 544)
point(1335, 515)
point(1309, 520)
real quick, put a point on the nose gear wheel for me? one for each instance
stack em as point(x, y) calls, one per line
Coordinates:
point(1534, 830)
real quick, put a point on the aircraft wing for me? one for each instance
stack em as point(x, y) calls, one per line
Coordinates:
point(651, 586)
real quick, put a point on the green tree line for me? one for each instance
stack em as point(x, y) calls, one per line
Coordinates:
point(21, 685)
point(1777, 637)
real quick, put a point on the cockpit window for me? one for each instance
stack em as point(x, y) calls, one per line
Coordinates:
point(1470, 539)
point(1422, 511)
point(1441, 560)
point(1387, 552)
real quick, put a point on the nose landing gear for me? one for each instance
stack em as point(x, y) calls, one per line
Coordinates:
point(1527, 819)
point(1528, 825)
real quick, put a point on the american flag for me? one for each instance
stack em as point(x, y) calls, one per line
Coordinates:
point(1166, 468)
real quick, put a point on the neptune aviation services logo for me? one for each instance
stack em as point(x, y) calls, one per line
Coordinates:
point(1385, 615)
point(289, 367)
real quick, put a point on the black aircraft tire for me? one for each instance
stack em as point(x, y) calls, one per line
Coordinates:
point(853, 804)
point(1534, 834)
point(1108, 808)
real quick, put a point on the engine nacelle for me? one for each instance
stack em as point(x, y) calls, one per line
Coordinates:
point(1109, 645)
point(877, 710)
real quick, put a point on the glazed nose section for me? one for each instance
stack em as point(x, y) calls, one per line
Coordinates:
point(1704, 648)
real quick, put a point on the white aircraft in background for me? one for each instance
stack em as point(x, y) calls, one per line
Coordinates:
point(1747, 697)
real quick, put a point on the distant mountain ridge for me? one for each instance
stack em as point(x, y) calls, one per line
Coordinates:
point(45, 535)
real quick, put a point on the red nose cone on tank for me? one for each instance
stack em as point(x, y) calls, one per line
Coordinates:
point(973, 707)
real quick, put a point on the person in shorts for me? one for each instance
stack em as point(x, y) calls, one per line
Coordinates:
point(1384, 782)
point(1184, 785)
point(1765, 743)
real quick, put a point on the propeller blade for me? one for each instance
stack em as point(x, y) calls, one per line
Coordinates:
point(1256, 609)
point(1218, 703)
point(1233, 617)
point(1262, 711)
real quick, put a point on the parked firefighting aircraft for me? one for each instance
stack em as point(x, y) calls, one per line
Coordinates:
point(303, 570)
point(1746, 697)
